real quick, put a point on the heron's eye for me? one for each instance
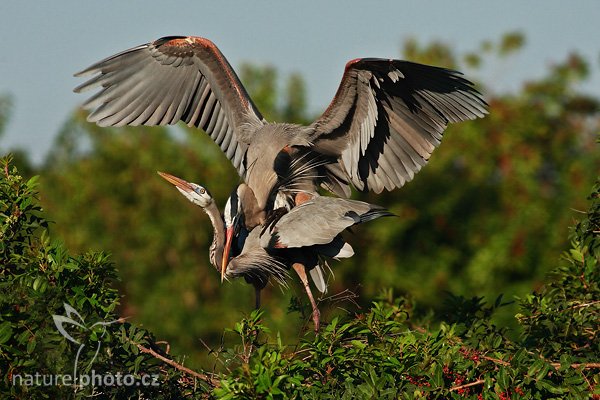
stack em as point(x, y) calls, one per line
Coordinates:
point(201, 190)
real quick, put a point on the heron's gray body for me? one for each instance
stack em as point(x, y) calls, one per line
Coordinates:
point(268, 159)
point(312, 227)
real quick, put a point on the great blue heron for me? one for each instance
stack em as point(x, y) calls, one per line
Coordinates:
point(296, 239)
point(381, 127)
point(266, 266)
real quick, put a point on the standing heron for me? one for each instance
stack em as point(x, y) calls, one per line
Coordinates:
point(265, 265)
point(297, 239)
point(380, 129)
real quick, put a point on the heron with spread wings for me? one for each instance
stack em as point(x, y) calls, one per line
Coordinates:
point(380, 129)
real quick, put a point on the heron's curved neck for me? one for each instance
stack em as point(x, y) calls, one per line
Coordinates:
point(218, 243)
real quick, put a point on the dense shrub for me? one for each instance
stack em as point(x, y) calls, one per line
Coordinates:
point(388, 350)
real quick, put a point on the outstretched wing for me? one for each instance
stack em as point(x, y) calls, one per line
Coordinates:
point(318, 222)
point(171, 79)
point(388, 116)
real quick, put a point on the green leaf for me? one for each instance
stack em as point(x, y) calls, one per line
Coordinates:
point(542, 372)
point(358, 343)
point(36, 283)
point(502, 378)
point(6, 331)
point(576, 254)
point(137, 363)
point(33, 182)
point(31, 345)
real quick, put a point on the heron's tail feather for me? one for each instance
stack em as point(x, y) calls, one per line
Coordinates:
point(318, 278)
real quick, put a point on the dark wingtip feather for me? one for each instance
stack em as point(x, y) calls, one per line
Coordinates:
point(376, 212)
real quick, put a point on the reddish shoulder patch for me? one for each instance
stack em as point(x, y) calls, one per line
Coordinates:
point(302, 197)
point(184, 41)
point(279, 245)
point(353, 62)
point(177, 42)
point(204, 42)
point(287, 149)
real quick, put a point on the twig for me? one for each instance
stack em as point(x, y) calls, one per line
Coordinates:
point(556, 365)
point(168, 346)
point(477, 382)
point(206, 378)
point(578, 211)
point(583, 305)
point(343, 296)
point(590, 386)
point(579, 365)
point(495, 360)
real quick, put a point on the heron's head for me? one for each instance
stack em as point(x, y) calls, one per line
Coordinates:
point(192, 191)
point(233, 217)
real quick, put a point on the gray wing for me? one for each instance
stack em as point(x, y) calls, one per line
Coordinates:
point(318, 222)
point(171, 79)
point(387, 117)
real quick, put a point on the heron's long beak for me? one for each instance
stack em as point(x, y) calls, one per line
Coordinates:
point(179, 183)
point(228, 239)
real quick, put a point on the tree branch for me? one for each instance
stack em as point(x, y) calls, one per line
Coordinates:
point(204, 377)
point(477, 382)
point(578, 365)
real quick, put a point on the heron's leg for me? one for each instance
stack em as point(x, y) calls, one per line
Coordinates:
point(257, 293)
point(316, 314)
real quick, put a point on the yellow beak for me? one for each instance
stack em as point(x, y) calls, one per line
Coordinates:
point(180, 183)
point(226, 250)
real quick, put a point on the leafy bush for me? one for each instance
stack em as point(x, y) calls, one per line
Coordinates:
point(388, 351)
point(37, 278)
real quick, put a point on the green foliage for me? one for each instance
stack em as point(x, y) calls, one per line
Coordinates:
point(37, 277)
point(389, 350)
point(386, 354)
point(563, 319)
point(295, 106)
point(261, 83)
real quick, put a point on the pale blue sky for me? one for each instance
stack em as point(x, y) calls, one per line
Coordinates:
point(44, 43)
